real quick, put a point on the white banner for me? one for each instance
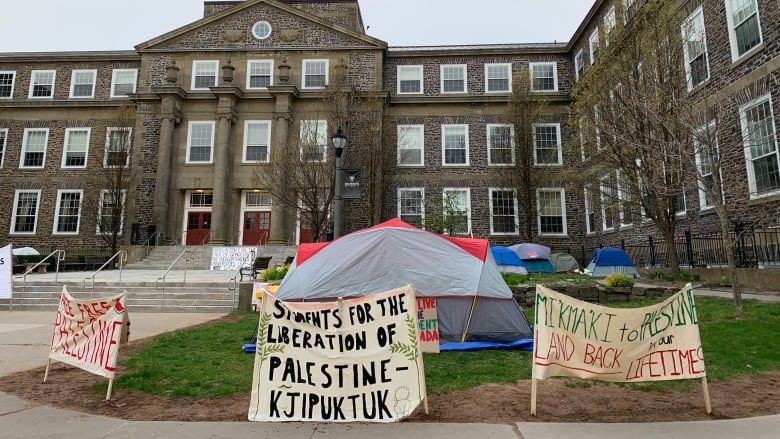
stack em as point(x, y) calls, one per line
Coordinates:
point(87, 333)
point(231, 258)
point(345, 361)
point(6, 272)
point(580, 339)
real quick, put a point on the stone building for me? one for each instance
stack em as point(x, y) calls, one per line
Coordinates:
point(216, 97)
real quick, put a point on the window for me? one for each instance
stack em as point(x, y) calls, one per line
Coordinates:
point(257, 138)
point(42, 83)
point(609, 22)
point(257, 199)
point(204, 74)
point(111, 212)
point(455, 144)
point(501, 144)
point(3, 141)
point(758, 133)
point(200, 140)
point(24, 218)
point(697, 68)
point(579, 64)
point(74, 153)
point(705, 147)
point(544, 76)
point(68, 212)
point(503, 212)
point(410, 79)
point(314, 140)
point(607, 199)
point(457, 210)
point(627, 207)
point(590, 214)
point(259, 74)
point(261, 30)
point(118, 147)
point(315, 73)
point(7, 84)
point(34, 147)
point(453, 78)
point(201, 199)
point(410, 145)
point(631, 8)
point(82, 83)
point(593, 43)
point(547, 144)
point(552, 211)
point(498, 78)
point(744, 26)
point(410, 205)
point(123, 82)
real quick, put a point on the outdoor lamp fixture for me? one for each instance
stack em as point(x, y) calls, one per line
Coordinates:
point(339, 141)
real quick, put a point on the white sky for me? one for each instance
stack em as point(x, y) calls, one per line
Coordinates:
point(76, 25)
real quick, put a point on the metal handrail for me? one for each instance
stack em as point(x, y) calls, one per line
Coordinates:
point(233, 282)
point(122, 259)
point(60, 256)
point(165, 274)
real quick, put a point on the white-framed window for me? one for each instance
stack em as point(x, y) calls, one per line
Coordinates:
point(455, 145)
point(118, 147)
point(593, 45)
point(34, 145)
point(453, 78)
point(590, 214)
point(544, 76)
point(630, 9)
point(67, 214)
point(579, 64)
point(111, 212)
point(257, 199)
point(609, 22)
point(7, 80)
point(457, 210)
point(257, 141)
point(547, 144)
point(200, 142)
point(259, 74)
point(82, 83)
point(314, 140)
point(42, 83)
point(201, 199)
point(411, 206)
point(498, 78)
point(123, 82)
point(3, 141)
point(744, 26)
point(680, 207)
point(74, 152)
point(410, 79)
point(315, 73)
point(204, 74)
point(551, 211)
point(626, 199)
point(503, 211)
point(760, 140)
point(411, 145)
point(607, 203)
point(705, 147)
point(24, 218)
point(501, 144)
point(697, 68)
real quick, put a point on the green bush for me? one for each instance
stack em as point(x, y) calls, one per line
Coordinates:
point(276, 272)
point(619, 280)
point(688, 276)
point(515, 278)
point(660, 275)
point(29, 259)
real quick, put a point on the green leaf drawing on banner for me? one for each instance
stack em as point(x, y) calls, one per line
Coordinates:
point(264, 349)
point(412, 350)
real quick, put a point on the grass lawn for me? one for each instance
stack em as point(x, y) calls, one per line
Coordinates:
point(207, 362)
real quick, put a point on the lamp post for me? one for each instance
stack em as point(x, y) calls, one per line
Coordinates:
point(339, 141)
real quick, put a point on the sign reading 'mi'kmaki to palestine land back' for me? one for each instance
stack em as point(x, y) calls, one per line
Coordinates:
point(344, 361)
point(580, 339)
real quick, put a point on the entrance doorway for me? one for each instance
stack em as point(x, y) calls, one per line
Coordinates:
point(198, 228)
point(257, 228)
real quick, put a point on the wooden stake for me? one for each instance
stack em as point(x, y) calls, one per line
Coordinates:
point(46, 375)
point(706, 390)
point(533, 396)
point(110, 385)
point(468, 322)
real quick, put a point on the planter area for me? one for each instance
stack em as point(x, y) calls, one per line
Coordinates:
point(596, 293)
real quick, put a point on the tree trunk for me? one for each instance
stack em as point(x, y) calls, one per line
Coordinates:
point(671, 253)
point(730, 246)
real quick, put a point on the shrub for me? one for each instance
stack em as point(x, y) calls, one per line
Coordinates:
point(619, 280)
point(515, 278)
point(688, 276)
point(276, 272)
point(660, 275)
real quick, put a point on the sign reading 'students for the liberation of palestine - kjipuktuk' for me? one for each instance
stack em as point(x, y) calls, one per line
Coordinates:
point(341, 361)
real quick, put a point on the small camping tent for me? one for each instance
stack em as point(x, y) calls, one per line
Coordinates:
point(507, 260)
point(472, 299)
point(535, 257)
point(564, 262)
point(611, 260)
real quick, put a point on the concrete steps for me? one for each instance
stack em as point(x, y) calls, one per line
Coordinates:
point(161, 257)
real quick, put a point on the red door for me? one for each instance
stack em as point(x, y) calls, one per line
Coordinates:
point(257, 228)
point(198, 228)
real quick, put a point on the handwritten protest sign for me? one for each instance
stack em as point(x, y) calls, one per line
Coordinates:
point(87, 333)
point(231, 258)
point(344, 361)
point(6, 273)
point(428, 319)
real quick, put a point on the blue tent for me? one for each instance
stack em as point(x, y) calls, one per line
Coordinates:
point(507, 260)
point(611, 260)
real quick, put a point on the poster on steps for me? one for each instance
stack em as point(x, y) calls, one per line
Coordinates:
point(6, 280)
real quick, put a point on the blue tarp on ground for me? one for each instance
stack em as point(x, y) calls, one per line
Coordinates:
point(524, 344)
